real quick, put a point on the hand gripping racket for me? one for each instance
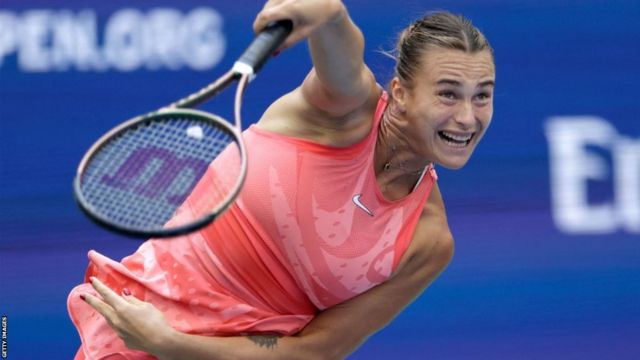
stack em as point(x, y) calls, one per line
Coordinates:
point(173, 171)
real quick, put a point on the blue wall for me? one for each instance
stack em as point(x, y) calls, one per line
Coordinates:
point(546, 215)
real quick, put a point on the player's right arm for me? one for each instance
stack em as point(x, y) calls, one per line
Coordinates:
point(339, 84)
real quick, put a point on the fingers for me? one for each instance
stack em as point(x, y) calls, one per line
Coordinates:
point(112, 301)
point(101, 307)
point(276, 10)
point(294, 38)
point(266, 17)
point(307, 16)
point(133, 300)
point(272, 11)
point(109, 296)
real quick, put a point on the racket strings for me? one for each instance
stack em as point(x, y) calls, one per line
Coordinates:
point(141, 178)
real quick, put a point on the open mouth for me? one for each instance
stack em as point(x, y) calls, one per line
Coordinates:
point(456, 140)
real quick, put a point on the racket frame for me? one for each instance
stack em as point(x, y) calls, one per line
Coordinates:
point(243, 71)
point(173, 111)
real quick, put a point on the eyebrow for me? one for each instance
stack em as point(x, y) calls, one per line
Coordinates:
point(458, 83)
point(487, 83)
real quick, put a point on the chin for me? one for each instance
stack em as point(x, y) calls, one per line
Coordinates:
point(453, 160)
point(453, 164)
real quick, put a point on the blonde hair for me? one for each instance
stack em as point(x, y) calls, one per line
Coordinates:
point(441, 30)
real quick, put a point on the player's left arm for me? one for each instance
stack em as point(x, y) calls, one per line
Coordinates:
point(332, 334)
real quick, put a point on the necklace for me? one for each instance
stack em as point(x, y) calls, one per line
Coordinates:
point(391, 152)
point(400, 165)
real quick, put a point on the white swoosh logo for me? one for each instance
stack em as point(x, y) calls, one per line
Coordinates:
point(356, 200)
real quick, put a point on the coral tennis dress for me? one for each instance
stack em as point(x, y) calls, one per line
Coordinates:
point(309, 230)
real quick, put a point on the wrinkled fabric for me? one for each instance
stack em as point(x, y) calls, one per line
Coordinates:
point(309, 230)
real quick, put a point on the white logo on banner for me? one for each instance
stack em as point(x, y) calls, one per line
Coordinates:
point(573, 164)
point(60, 40)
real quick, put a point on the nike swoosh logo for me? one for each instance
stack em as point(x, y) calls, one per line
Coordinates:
point(356, 200)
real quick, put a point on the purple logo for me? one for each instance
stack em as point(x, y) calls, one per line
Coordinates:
point(170, 167)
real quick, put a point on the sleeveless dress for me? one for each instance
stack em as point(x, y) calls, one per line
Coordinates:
point(310, 229)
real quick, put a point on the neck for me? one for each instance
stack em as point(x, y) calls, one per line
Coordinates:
point(394, 154)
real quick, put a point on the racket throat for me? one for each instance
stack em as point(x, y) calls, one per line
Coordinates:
point(244, 69)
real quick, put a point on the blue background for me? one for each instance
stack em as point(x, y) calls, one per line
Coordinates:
point(517, 288)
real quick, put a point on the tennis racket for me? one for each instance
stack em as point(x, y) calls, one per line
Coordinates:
point(175, 170)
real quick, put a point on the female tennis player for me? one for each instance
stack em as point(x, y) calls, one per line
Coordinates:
point(340, 224)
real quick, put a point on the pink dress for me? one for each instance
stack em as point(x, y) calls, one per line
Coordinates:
point(309, 230)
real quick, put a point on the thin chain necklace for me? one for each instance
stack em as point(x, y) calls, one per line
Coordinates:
point(388, 165)
point(391, 151)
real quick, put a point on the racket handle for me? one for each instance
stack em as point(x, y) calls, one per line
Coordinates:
point(260, 50)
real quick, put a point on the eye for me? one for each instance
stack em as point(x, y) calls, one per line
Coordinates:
point(447, 94)
point(484, 96)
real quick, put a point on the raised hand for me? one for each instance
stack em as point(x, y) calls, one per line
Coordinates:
point(307, 16)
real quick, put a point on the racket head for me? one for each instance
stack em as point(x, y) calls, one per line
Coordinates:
point(163, 174)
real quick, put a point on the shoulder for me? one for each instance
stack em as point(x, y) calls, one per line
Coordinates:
point(338, 104)
point(293, 115)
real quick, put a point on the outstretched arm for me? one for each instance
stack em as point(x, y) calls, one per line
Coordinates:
point(339, 82)
point(333, 334)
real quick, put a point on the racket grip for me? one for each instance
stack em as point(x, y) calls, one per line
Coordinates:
point(260, 50)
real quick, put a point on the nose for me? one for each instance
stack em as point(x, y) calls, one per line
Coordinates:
point(465, 116)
